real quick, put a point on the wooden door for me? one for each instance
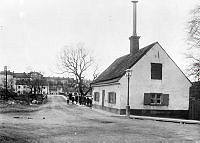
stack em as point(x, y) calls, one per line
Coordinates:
point(103, 96)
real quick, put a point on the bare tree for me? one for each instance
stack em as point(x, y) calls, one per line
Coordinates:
point(76, 61)
point(36, 81)
point(194, 28)
point(193, 40)
point(193, 69)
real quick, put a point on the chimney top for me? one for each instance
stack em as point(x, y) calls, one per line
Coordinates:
point(134, 39)
point(134, 1)
point(134, 17)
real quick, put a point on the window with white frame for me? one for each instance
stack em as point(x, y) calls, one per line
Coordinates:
point(112, 97)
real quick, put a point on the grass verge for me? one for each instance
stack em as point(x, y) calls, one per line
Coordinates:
point(12, 108)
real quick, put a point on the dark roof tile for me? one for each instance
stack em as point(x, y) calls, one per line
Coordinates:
point(118, 67)
point(20, 75)
point(8, 72)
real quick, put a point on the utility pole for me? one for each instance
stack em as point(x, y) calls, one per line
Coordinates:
point(6, 75)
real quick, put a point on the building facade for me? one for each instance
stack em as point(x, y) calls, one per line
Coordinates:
point(60, 85)
point(157, 86)
point(10, 82)
point(20, 83)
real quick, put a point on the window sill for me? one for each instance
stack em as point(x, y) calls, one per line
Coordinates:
point(112, 103)
point(154, 105)
point(156, 79)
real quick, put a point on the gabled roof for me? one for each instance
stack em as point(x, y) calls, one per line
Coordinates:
point(20, 75)
point(118, 67)
point(22, 82)
point(8, 72)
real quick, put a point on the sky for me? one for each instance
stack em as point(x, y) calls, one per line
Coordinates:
point(33, 32)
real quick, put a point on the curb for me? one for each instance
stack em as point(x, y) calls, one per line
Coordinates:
point(181, 121)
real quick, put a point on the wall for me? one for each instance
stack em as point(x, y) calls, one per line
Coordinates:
point(9, 81)
point(21, 89)
point(108, 88)
point(45, 90)
point(173, 83)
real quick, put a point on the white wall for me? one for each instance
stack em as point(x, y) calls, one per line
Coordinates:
point(173, 82)
point(9, 80)
point(109, 88)
point(21, 89)
point(44, 89)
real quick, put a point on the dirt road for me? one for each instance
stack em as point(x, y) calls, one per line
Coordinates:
point(58, 122)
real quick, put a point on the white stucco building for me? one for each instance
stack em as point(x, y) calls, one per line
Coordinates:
point(157, 85)
point(10, 83)
point(45, 89)
point(20, 83)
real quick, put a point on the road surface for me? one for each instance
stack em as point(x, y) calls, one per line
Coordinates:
point(58, 122)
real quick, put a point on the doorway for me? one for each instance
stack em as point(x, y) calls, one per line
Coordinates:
point(103, 96)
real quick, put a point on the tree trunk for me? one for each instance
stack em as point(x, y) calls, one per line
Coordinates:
point(34, 90)
point(80, 85)
point(90, 88)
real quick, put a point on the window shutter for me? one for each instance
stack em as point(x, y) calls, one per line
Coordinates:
point(165, 99)
point(108, 97)
point(114, 98)
point(147, 98)
point(156, 71)
point(94, 96)
point(98, 96)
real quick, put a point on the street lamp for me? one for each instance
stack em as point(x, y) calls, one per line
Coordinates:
point(128, 75)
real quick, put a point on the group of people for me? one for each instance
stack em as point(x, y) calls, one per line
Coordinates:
point(82, 100)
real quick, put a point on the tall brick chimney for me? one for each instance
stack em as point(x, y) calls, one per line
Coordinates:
point(134, 39)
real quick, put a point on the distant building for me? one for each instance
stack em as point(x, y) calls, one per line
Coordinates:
point(10, 83)
point(57, 85)
point(19, 82)
point(21, 85)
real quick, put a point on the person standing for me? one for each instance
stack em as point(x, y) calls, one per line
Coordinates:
point(91, 102)
point(76, 99)
point(72, 99)
point(67, 99)
point(80, 100)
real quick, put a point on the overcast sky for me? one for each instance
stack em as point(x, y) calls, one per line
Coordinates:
point(33, 32)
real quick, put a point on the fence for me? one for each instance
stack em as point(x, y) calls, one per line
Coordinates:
point(194, 109)
point(194, 106)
